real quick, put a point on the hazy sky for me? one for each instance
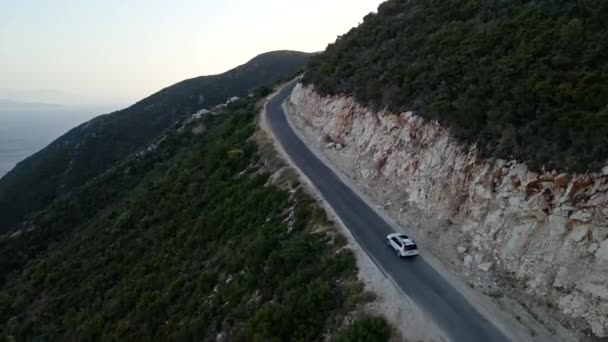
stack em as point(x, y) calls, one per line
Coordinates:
point(118, 51)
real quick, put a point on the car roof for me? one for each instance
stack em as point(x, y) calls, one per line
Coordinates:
point(400, 236)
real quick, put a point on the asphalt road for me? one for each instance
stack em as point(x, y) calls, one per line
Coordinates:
point(419, 280)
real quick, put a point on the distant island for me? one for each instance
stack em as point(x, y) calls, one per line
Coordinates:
point(15, 104)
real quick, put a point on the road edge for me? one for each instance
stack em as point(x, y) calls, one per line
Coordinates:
point(437, 334)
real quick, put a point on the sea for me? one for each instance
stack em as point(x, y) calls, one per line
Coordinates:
point(24, 130)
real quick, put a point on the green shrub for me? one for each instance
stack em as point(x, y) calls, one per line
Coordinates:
point(522, 79)
point(197, 246)
point(371, 329)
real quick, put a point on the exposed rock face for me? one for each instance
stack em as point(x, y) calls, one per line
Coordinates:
point(546, 233)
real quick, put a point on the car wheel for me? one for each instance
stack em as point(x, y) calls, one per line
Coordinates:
point(398, 254)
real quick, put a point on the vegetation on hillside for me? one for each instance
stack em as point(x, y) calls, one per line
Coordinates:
point(523, 79)
point(187, 242)
point(87, 151)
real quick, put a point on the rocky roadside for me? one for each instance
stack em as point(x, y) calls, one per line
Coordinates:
point(532, 242)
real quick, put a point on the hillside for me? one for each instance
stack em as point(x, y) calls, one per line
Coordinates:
point(192, 240)
point(90, 149)
point(522, 79)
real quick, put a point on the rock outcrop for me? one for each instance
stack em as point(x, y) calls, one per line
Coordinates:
point(544, 234)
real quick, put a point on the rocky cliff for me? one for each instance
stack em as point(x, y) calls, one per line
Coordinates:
point(541, 238)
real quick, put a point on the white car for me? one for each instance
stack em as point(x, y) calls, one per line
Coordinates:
point(402, 244)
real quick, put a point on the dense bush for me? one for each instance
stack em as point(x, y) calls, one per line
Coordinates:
point(523, 79)
point(371, 329)
point(194, 245)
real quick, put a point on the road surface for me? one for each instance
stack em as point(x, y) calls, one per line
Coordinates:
point(418, 279)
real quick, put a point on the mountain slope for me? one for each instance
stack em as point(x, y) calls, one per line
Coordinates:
point(523, 79)
point(88, 150)
point(203, 245)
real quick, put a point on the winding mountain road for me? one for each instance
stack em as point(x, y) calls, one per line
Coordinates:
point(415, 277)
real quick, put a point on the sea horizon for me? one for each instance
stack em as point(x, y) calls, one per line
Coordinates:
point(25, 130)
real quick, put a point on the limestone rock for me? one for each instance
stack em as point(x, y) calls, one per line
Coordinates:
point(468, 259)
point(485, 266)
point(602, 252)
point(478, 258)
point(579, 232)
point(593, 247)
point(582, 215)
point(530, 223)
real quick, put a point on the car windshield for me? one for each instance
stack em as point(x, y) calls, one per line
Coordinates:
point(403, 236)
point(411, 247)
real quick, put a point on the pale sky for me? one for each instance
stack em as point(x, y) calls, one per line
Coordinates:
point(119, 51)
